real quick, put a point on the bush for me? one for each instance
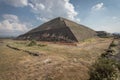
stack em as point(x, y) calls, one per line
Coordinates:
point(32, 43)
point(104, 69)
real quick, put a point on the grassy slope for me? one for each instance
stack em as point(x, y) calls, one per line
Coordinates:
point(56, 62)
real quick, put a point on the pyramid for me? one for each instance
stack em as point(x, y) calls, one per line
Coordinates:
point(59, 29)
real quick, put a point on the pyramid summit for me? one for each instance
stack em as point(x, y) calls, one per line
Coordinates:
point(59, 29)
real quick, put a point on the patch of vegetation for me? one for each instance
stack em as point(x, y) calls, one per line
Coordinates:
point(113, 45)
point(118, 66)
point(41, 45)
point(88, 40)
point(104, 54)
point(104, 69)
point(21, 42)
point(108, 53)
point(32, 43)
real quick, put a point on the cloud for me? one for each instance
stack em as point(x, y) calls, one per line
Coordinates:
point(10, 17)
point(97, 7)
point(37, 6)
point(42, 19)
point(46, 10)
point(11, 25)
point(16, 3)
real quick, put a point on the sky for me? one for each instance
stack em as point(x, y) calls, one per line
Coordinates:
point(19, 16)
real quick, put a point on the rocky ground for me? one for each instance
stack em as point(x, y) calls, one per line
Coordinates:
point(116, 50)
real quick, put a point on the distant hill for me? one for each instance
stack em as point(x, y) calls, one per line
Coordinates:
point(7, 37)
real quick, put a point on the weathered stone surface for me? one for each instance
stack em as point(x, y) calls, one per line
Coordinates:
point(59, 29)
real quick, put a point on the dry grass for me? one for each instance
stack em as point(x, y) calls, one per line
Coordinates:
point(56, 62)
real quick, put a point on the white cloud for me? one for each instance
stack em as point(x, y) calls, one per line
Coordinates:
point(16, 3)
point(10, 17)
point(46, 10)
point(99, 6)
point(11, 24)
point(37, 6)
point(42, 19)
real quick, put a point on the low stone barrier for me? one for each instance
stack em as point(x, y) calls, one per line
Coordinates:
point(29, 52)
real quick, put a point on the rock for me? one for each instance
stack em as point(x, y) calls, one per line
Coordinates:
point(75, 60)
point(47, 61)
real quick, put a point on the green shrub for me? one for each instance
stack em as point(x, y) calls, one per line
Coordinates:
point(104, 69)
point(32, 43)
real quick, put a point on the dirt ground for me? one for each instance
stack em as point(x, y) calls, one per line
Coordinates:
point(55, 61)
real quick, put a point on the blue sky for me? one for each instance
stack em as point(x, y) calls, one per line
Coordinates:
point(19, 16)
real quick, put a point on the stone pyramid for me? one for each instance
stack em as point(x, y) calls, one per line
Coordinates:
point(59, 29)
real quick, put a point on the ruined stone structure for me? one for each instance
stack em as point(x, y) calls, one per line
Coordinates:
point(59, 29)
point(103, 34)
